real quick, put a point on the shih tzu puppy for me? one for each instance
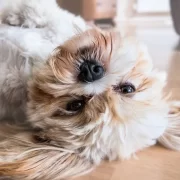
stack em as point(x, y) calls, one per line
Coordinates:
point(95, 97)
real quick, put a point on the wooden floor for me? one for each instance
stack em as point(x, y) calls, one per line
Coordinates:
point(154, 163)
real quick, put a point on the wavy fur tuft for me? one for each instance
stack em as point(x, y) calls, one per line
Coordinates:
point(22, 158)
point(171, 136)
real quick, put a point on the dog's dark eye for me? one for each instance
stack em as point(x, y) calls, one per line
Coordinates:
point(127, 88)
point(75, 105)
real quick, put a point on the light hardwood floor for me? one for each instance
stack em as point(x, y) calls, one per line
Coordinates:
point(155, 163)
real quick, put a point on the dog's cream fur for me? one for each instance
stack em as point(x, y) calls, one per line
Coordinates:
point(30, 45)
point(36, 83)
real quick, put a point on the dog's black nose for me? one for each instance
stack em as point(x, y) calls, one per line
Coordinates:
point(90, 71)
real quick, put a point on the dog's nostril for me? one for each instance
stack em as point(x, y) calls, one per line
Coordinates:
point(98, 69)
point(90, 71)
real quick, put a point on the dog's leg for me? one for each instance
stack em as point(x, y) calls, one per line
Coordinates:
point(39, 14)
point(171, 136)
point(23, 159)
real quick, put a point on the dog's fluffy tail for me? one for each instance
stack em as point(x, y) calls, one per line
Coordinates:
point(171, 136)
point(22, 159)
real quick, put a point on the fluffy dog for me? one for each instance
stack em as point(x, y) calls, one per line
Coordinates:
point(95, 97)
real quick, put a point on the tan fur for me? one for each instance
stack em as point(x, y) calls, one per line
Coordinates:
point(60, 144)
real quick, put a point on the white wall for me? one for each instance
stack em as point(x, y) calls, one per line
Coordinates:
point(146, 6)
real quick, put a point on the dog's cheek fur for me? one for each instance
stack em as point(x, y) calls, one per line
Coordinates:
point(141, 118)
point(68, 131)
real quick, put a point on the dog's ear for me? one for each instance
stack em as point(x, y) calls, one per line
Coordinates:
point(45, 164)
point(21, 158)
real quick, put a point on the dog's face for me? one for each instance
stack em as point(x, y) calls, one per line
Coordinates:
point(94, 79)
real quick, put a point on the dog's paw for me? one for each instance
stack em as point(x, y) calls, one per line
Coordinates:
point(12, 19)
point(38, 23)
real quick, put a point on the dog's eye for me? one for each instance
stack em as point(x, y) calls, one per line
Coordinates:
point(127, 88)
point(75, 105)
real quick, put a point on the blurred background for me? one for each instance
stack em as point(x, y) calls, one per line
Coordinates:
point(154, 22)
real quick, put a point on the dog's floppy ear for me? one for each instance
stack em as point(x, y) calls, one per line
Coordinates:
point(45, 164)
point(21, 158)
